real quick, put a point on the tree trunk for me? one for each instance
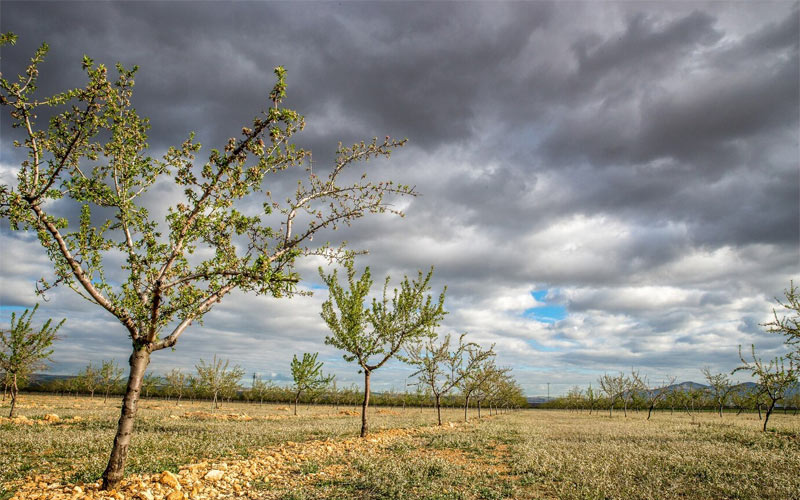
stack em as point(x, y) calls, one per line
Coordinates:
point(115, 469)
point(365, 405)
point(650, 411)
point(758, 405)
point(466, 406)
point(296, 399)
point(14, 393)
point(438, 409)
point(720, 410)
point(766, 417)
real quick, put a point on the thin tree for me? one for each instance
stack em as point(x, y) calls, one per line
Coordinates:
point(93, 157)
point(775, 378)
point(591, 398)
point(491, 385)
point(614, 387)
point(175, 382)
point(24, 349)
point(150, 381)
point(231, 384)
point(215, 376)
point(720, 387)
point(89, 379)
point(261, 389)
point(475, 378)
point(441, 369)
point(109, 375)
point(371, 336)
point(307, 375)
point(653, 395)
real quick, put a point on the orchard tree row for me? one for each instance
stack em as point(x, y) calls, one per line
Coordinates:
point(179, 387)
point(777, 380)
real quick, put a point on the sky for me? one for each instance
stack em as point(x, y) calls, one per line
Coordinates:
point(604, 186)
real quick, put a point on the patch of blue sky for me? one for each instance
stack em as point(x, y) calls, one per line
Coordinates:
point(6, 311)
point(542, 348)
point(11, 309)
point(539, 295)
point(548, 313)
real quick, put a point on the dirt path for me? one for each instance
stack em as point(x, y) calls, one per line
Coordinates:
point(274, 468)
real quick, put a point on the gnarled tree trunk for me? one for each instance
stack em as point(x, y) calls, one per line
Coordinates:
point(122, 440)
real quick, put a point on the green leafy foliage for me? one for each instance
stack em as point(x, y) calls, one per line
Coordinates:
point(307, 375)
point(24, 349)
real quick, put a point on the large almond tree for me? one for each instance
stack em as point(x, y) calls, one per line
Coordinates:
point(224, 232)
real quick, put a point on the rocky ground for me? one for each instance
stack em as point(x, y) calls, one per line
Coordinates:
point(276, 468)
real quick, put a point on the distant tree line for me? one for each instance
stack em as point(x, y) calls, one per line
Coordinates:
point(777, 381)
point(625, 393)
point(498, 390)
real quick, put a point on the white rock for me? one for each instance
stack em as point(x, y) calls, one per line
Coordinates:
point(214, 475)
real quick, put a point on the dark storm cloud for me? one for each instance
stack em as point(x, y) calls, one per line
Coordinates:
point(637, 160)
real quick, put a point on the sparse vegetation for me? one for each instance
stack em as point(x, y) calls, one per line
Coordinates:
point(519, 454)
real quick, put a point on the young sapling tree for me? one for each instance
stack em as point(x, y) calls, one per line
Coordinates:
point(775, 378)
point(476, 377)
point(109, 375)
point(371, 336)
point(24, 349)
point(614, 387)
point(307, 375)
point(89, 379)
point(217, 376)
point(175, 381)
point(653, 395)
point(721, 387)
point(441, 369)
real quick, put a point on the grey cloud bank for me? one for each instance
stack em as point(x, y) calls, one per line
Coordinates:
point(637, 160)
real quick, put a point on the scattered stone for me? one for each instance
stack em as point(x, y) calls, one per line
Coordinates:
point(175, 495)
point(214, 475)
point(169, 479)
point(146, 495)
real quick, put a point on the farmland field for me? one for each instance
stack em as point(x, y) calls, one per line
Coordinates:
point(263, 451)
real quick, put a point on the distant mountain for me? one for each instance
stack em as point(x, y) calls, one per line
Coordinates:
point(688, 386)
point(38, 379)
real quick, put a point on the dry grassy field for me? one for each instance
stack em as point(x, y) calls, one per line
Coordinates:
point(261, 452)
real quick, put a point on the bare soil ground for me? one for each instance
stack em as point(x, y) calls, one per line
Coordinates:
point(264, 452)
